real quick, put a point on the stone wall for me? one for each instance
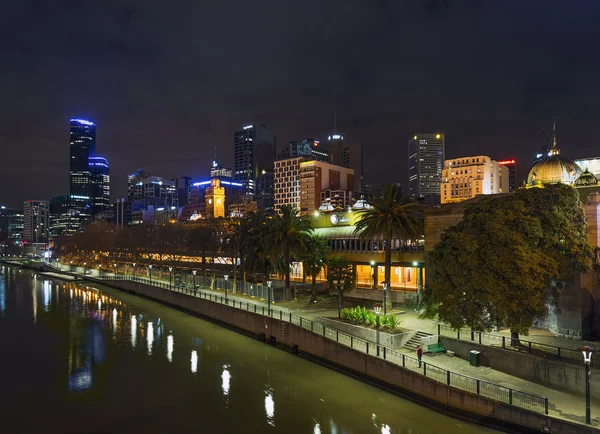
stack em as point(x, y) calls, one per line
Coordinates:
point(445, 399)
point(388, 340)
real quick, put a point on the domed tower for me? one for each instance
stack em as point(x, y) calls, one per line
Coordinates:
point(555, 169)
point(587, 179)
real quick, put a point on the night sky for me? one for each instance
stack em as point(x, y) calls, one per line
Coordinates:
point(167, 81)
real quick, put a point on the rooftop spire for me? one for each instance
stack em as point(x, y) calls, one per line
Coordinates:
point(554, 150)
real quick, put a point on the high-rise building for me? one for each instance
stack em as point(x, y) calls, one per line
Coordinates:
point(335, 146)
point(35, 221)
point(299, 182)
point(426, 156)
point(309, 148)
point(352, 158)
point(152, 190)
point(15, 227)
point(83, 146)
point(89, 173)
point(254, 149)
point(511, 165)
point(5, 214)
point(184, 184)
point(265, 199)
point(466, 177)
point(65, 216)
point(100, 184)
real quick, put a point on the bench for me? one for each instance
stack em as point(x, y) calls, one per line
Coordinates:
point(436, 348)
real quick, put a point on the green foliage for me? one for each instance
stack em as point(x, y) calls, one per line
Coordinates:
point(506, 261)
point(340, 270)
point(360, 315)
point(391, 216)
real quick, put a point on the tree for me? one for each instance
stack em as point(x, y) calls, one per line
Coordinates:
point(286, 239)
point(341, 271)
point(390, 217)
point(507, 260)
point(314, 261)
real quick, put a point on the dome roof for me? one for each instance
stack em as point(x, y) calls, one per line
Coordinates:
point(586, 179)
point(554, 170)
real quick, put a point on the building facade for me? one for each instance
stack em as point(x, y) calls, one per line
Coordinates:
point(317, 176)
point(309, 148)
point(466, 177)
point(15, 227)
point(99, 184)
point(287, 183)
point(35, 221)
point(66, 217)
point(215, 199)
point(350, 156)
point(153, 190)
point(590, 164)
point(426, 155)
point(511, 165)
point(254, 151)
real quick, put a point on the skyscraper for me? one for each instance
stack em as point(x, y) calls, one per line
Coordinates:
point(309, 148)
point(89, 173)
point(350, 156)
point(426, 154)
point(254, 151)
point(83, 146)
point(35, 221)
point(99, 184)
point(152, 190)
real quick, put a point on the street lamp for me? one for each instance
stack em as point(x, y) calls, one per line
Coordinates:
point(194, 273)
point(116, 269)
point(71, 269)
point(100, 270)
point(386, 285)
point(587, 358)
point(84, 264)
point(336, 282)
point(133, 271)
point(373, 271)
point(150, 272)
point(226, 278)
point(170, 277)
point(269, 283)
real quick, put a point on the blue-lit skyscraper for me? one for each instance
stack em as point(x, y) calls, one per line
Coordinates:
point(89, 174)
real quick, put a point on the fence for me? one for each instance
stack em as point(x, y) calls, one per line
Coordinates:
point(493, 391)
point(505, 342)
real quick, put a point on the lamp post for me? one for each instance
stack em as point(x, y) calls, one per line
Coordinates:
point(226, 279)
point(587, 358)
point(194, 273)
point(84, 265)
point(170, 277)
point(133, 270)
point(150, 272)
point(336, 282)
point(385, 290)
point(71, 269)
point(269, 283)
point(116, 269)
point(373, 275)
point(100, 271)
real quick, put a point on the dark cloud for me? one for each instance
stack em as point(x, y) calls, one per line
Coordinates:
point(167, 82)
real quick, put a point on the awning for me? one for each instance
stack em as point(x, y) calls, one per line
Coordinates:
point(336, 233)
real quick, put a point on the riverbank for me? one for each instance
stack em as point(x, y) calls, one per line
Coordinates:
point(373, 364)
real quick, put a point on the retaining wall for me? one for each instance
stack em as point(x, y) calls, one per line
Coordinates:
point(443, 398)
point(394, 341)
point(555, 373)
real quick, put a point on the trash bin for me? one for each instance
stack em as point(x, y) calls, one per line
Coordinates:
point(474, 358)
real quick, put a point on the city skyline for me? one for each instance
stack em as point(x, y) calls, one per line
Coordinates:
point(165, 109)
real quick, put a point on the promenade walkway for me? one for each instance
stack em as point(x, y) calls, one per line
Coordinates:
point(561, 404)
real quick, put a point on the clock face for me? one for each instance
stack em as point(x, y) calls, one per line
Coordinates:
point(334, 219)
point(210, 201)
point(218, 201)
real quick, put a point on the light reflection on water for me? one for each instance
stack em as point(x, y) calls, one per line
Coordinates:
point(99, 327)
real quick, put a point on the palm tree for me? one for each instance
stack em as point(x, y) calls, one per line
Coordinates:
point(286, 238)
point(391, 216)
point(314, 257)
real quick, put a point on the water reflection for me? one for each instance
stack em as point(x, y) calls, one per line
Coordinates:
point(114, 322)
point(133, 331)
point(2, 296)
point(34, 303)
point(194, 361)
point(150, 337)
point(170, 348)
point(317, 429)
point(225, 381)
point(47, 294)
point(270, 407)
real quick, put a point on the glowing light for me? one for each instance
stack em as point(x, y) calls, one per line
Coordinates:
point(99, 304)
point(317, 429)
point(437, 136)
point(194, 361)
point(270, 407)
point(133, 331)
point(415, 137)
point(503, 162)
point(47, 295)
point(71, 294)
point(317, 214)
point(114, 321)
point(150, 337)
point(170, 348)
point(83, 122)
point(415, 264)
point(385, 429)
point(247, 127)
point(225, 381)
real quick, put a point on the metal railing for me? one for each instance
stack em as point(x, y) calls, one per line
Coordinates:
point(484, 388)
point(505, 342)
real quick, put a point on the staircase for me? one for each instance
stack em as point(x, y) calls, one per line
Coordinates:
point(415, 341)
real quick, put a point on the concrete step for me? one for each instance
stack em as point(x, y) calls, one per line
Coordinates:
point(415, 341)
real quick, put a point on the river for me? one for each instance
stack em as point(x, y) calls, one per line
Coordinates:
point(87, 359)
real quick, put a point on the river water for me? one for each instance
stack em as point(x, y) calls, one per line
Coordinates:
point(83, 359)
